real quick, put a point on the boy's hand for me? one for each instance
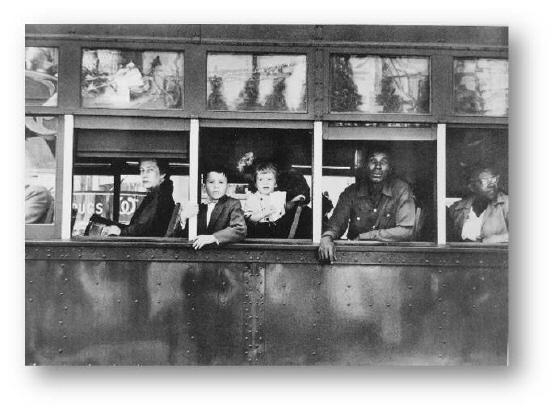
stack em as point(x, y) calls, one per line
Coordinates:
point(188, 210)
point(202, 240)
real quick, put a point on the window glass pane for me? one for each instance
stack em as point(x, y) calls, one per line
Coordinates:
point(477, 185)
point(256, 82)
point(481, 87)
point(41, 76)
point(40, 169)
point(92, 194)
point(127, 79)
point(374, 84)
point(240, 152)
point(411, 167)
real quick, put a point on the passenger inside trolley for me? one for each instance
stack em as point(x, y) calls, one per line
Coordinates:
point(379, 207)
point(483, 215)
point(152, 217)
point(40, 169)
point(270, 174)
point(277, 214)
point(221, 219)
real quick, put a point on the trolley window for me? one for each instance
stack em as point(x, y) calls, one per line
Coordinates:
point(256, 82)
point(131, 79)
point(41, 76)
point(409, 169)
point(106, 180)
point(477, 185)
point(481, 87)
point(243, 151)
point(40, 169)
point(379, 84)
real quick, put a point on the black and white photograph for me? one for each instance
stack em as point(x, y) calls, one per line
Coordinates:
point(241, 199)
point(266, 195)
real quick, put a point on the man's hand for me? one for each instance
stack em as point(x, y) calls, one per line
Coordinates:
point(494, 239)
point(327, 249)
point(202, 240)
point(110, 230)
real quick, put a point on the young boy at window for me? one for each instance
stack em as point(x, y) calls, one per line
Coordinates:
point(266, 206)
point(221, 219)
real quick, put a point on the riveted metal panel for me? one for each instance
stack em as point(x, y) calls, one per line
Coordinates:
point(347, 253)
point(133, 313)
point(291, 314)
point(119, 303)
point(386, 315)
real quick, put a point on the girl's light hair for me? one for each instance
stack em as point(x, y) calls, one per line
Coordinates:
point(265, 167)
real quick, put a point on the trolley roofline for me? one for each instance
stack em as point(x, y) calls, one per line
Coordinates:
point(442, 37)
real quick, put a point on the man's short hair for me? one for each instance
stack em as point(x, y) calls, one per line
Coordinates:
point(478, 168)
point(379, 148)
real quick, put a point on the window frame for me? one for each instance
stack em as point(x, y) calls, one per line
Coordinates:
point(194, 113)
point(53, 230)
point(386, 115)
point(200, 82)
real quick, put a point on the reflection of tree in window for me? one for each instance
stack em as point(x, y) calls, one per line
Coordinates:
point(249, 95)
point(215, 99)
point(397, 86)
point(302, 104)
point(423, 101)
point(468, 93)
point(344, 94)
point(468, 96)
point(276, 101)
point(389, 99)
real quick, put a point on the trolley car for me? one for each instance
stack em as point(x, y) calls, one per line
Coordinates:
point(100, 97)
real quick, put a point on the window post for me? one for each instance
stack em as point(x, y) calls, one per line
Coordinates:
point(441, 183)
point(193, 173)
point(317, 151)
point(67, 183)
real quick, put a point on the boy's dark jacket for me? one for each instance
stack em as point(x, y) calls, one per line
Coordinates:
point(227, 222)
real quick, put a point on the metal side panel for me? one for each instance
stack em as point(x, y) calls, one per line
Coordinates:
point(354, 314)
point(135, 313)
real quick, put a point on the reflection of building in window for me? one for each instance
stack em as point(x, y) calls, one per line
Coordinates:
point(40, 169)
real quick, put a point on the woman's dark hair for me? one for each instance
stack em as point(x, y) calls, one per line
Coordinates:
point(163, 165)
